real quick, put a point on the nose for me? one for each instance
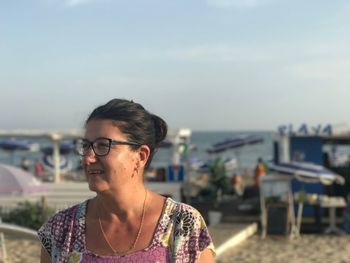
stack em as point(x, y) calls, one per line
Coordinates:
point(89, 157)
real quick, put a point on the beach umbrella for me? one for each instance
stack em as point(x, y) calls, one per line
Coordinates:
point(65, 148)
point(16, 181)
point(307, 172)
point(234, 143)
point(13, 144)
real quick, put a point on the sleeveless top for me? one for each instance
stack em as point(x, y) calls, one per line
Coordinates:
point(180, 236)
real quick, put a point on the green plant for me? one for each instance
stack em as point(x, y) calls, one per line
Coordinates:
point(27, 214)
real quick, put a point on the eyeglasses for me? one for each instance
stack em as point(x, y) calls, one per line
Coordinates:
point(101, 146)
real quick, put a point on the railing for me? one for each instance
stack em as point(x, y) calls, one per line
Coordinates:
point(64, 195)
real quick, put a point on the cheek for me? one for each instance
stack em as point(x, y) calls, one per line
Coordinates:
point(119, 160)
point(119, 165)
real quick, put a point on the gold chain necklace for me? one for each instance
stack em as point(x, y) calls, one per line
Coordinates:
point(137, 236)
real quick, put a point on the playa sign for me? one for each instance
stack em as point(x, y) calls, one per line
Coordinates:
point(306, 130)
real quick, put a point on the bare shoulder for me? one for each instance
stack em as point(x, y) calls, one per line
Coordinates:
point(156, 203)
point(207, 256)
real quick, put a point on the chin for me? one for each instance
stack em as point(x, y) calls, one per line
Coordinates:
point(96, 184)
point(93, 188)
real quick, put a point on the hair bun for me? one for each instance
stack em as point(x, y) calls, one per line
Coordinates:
point(160, 129)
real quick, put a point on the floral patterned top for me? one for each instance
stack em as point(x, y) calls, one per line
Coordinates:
point(180, 236)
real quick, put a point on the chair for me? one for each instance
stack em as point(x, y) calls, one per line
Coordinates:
point(276, 202)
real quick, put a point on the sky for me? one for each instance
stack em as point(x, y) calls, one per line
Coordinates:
point(200, 64)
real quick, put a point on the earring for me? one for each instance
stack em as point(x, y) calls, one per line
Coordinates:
point(136, 169)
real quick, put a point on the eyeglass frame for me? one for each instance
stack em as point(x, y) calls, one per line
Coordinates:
point(111, 142)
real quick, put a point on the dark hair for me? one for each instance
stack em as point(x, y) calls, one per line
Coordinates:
point(133, 120)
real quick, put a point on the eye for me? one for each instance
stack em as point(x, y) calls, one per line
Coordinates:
point(84, 144)
point(101, 144)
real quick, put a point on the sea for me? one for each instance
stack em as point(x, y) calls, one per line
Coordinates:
point(200, 141)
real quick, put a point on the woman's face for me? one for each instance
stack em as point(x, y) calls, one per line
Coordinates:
point(114, 170)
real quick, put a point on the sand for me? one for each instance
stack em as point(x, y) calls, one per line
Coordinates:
point(22, 249)
point(308, 248)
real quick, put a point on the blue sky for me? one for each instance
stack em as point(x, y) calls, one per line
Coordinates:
point(206, 65)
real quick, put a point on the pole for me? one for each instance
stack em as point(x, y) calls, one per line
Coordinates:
point(284, 148)
point(56, 156)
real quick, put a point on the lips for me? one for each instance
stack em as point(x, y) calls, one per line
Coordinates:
point(95, 171)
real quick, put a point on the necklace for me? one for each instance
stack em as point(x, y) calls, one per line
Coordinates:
point(115, 252)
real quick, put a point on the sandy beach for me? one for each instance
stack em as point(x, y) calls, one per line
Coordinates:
point(309, 248)
point(22, 249)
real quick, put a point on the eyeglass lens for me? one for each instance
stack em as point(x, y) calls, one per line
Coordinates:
point(100, 146)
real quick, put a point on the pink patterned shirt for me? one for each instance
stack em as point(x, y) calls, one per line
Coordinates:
point(180, 236)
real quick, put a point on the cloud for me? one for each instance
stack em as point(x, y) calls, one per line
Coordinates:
point(237, 3)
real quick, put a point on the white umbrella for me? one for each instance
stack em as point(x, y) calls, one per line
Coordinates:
point(307, 172)
point(16, 181)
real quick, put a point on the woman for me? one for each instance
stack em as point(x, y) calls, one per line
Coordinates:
point(125, 222)
point(260, 171)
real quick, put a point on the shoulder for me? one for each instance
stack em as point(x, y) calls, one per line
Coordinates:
point(53, 234)
point(190, 235)
point(61, 218)
point(180, 219)
point(176, 206)
point(187, 219)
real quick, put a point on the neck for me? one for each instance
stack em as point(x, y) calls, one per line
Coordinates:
point(124, 204)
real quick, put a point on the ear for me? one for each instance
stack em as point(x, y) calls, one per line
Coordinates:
point(144, 153)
